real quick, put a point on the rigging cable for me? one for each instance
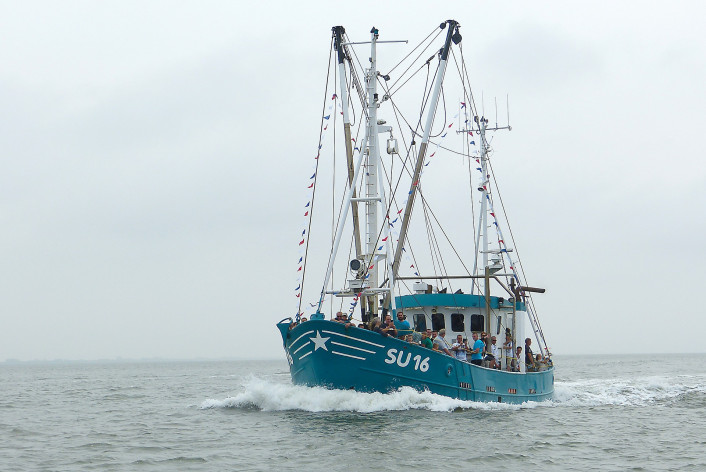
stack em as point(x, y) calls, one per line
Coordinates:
point(333, 180)
point(316, 172)
point(399, 113)
point(438, 31)
point(539, 333)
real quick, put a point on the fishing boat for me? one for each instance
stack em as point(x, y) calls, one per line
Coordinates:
point(403, 264)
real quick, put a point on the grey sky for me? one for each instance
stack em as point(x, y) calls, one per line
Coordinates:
point(153, 155)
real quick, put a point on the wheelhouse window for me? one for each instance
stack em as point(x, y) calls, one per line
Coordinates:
point(437, 321)
point(420, 322)
point(477, 322)
point(457, 323)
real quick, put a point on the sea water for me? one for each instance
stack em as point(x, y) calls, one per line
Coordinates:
point(619, 413)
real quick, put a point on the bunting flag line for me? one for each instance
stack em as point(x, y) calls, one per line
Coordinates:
point(334, 103)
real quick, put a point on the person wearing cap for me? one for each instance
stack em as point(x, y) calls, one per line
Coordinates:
point(343, 319)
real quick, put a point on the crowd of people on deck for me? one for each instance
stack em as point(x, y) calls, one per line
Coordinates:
point(483, 351)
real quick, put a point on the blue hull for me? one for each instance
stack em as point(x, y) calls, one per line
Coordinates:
point(327, 354)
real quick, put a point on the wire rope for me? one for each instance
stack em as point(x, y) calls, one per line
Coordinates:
point(316, 173)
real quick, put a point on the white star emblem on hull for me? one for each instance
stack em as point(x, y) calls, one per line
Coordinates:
point(319, 342)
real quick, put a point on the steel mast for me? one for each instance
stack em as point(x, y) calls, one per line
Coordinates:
point(451, 35)
point(339, 31)
point(370, 148)
point(371, 170)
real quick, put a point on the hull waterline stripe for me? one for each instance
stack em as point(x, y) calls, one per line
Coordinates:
point(302, 357)
point(351, 337)
point(352, 347)
point(293, 342)
point(347, 355)
point(300, 347)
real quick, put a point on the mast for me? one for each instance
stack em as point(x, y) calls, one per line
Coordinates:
point(451, 35)
point(372, 198)
point(484, 219)
point(371, 171)
point(484, 191)
point(339, 31)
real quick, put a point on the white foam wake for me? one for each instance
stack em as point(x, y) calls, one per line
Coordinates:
point(267, 395)
point(629, 392)
point(270, 396)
